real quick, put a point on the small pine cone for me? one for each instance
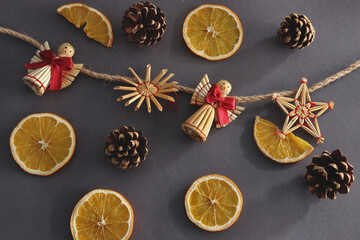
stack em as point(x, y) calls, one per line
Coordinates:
point(144, 24)
point(329, 174)
point(296, 31)
point(126, 148)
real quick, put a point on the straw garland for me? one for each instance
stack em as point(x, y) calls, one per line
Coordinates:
point(239, 99)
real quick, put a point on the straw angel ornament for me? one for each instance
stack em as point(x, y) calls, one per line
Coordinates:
point(216, 108)
point(49, 70)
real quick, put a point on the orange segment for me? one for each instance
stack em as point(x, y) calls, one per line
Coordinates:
point(102, 214)
point(281, 150)
point(42, 143)
point(97, 27)
point(213, 202)
point(213, 32)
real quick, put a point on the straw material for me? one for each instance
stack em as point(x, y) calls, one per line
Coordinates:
point(239, 99)
point(301, 111)
point(147, 90)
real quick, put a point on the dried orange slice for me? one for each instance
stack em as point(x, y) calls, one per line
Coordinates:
point(97, 27)
point(213, 202)
point(213, 32)
point(281, 150)
point(42, 143)
point(102, 215)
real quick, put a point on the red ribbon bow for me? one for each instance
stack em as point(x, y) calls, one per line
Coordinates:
point(57, 66)
point(224, 103)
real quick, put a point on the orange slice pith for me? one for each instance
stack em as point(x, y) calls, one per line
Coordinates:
point(213, 32)
point(288, 150)
point(97, 27)
point(213, 202)
point(102, 214)
point(42, 143)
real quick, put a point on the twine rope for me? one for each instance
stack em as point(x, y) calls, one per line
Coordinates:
point(239, 99)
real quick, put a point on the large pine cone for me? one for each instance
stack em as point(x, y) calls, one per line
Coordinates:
point(126, 148)
point(144, 24)
point(296, 31)
point(329, 174)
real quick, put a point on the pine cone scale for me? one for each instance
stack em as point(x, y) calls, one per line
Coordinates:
point(344, 189)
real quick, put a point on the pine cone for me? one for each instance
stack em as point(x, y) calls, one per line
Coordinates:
point(126, 148)
point(296, 31)
point(144, 24)
point(329, 174)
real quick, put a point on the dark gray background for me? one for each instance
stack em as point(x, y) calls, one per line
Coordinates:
point(277, 204)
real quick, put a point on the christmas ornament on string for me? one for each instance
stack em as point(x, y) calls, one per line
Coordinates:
point(47, 69)
point(147, 89)
point(216, 108)
point(282, 146)
point(217, 99)
point(302, 112)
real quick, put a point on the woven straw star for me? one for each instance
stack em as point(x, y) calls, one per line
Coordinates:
point(148, 90)
point(302, 112)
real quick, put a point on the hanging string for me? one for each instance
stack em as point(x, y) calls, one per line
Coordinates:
point(172, 106)
point(239, 99)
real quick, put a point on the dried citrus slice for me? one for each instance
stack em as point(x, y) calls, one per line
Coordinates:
point(97, 27)
point(213, 202)
point(42, 143)
point(102, 214)
point(213, 32)
point(281, 150)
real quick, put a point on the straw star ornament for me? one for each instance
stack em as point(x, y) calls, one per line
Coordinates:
point(302, 112)
point(148, 90)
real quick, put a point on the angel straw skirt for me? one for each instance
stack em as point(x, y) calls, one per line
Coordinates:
point(38, 79)
point(199, 124)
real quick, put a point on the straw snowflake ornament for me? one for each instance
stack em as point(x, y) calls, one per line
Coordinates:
point(146, 90)
point(301, 112)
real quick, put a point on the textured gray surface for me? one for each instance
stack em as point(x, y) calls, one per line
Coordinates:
point(276, 202)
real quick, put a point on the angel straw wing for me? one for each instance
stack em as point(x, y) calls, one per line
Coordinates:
point(202, 89)
point(68, 76)
point(232, 114)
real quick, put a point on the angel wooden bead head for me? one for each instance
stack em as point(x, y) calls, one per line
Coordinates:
point(216, 108)
point(66, 50)
point(47, 69)
point(225, 87)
